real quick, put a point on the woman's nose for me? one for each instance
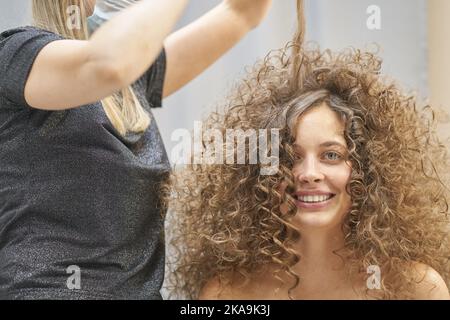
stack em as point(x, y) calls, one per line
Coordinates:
point(309, 171)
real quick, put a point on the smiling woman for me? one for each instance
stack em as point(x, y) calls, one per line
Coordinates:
point(362, 186)
point(321, 171)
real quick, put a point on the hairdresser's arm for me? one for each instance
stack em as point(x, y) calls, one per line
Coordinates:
point(70, 73)
point(194, 48)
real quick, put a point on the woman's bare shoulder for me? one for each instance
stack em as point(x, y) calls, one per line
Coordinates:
point(429, 283)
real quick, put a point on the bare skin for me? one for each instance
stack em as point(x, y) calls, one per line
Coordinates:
point(262, 287)
point(328, 286)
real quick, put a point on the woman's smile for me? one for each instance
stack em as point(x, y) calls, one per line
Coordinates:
point(314, 201)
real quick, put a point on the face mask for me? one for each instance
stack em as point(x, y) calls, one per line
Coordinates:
point(105, 10)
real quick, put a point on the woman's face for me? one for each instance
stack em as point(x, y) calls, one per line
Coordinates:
point(90, 5)
point(321, 171)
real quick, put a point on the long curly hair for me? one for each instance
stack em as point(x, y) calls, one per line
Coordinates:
point(226, 220)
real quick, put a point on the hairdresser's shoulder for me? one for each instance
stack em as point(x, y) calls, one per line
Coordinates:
point(25, 31)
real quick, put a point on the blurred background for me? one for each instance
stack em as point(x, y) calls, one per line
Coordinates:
point(413, 37)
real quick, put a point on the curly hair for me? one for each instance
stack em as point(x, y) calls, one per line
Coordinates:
point(226, 219)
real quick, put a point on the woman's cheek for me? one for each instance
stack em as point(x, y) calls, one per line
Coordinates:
point(340, 177)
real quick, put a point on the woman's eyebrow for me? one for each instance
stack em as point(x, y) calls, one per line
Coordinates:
point(332, 143)
point(324, 144)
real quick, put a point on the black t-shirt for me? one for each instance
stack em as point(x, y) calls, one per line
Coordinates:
point(80, 205)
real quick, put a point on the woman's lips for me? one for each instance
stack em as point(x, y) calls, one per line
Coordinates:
point(314, 205)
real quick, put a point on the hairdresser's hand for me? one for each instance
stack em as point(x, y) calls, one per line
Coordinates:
point(252, 11)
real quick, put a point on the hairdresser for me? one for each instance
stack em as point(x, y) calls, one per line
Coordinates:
point(81, 157)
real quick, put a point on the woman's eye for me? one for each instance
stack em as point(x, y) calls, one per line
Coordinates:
point(333, 156)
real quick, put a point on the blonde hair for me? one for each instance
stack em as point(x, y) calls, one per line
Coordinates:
point(122, 108)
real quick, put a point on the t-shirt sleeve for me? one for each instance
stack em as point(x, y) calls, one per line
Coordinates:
point(154, 83)
point(18, 51)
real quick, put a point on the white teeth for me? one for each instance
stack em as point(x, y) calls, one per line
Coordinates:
point(314, 198)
